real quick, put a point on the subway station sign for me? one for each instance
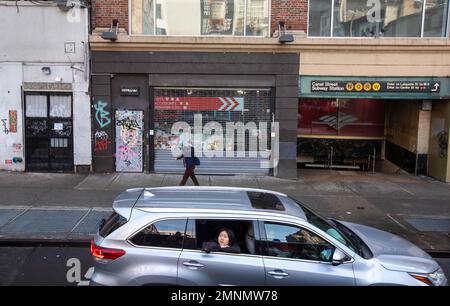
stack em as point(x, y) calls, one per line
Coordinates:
point(375, 86)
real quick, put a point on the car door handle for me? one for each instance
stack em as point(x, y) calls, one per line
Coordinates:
point(193, 264)
point(278, 274)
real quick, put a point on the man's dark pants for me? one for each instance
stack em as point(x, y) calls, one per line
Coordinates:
point(189, 173)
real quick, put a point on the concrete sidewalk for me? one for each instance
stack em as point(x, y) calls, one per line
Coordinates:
point(68, 207)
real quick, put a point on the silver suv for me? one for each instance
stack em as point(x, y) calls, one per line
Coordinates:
point(155, 237)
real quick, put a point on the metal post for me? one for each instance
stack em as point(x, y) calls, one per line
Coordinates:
point(331, 158)
point(374, 157)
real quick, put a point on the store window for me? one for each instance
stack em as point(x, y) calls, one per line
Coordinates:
point(200, 17)
point(142, 17)
point(378, 18)
point(341, 117)
point(435, 18)
point(320, 18)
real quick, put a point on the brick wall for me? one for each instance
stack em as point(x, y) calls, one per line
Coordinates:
point(104, 11)
point(293, 12)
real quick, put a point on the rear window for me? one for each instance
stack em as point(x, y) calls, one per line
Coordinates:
point(262, 200)
point(165, 233)
point(111, 224)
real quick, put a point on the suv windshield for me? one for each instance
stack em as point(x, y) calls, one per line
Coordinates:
point(328, 227)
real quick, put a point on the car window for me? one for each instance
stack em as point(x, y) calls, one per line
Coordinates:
point(263, 200)
point(289, 241)
point(202, 232)
point(165, 233)
point(109, 225)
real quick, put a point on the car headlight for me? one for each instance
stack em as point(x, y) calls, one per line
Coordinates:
point(436, 278)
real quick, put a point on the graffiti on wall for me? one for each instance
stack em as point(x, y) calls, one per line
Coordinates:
point(36, 127)
point(5, 129)
point(101, 141)
point(129, 134)
point(101, 115)
point(13, 121)
point(442, 143)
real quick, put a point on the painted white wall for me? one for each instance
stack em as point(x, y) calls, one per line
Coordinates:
point(34, 36)
point(11, 99)
point(81, 120)
point(36, 33)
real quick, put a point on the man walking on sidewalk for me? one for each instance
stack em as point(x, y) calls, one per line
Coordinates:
point(190, 161)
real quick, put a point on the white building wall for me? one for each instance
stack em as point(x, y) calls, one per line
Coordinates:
point(11, 143)
point(36, 36)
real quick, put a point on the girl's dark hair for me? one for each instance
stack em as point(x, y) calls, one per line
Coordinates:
point(230, 233)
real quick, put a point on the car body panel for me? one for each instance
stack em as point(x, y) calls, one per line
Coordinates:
point(220, 269)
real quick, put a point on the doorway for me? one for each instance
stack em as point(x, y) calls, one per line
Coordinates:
point(48, 132)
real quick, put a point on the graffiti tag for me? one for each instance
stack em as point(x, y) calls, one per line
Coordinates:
point(37, 127)
point(101, 141)
point(101, 115)
point(101, 145)
point(5, 127)
point(101, 135)
point(442, 143)
point(126, 154)
point(128, 123)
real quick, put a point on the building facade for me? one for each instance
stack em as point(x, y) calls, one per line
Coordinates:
point(361, 82)
point(44, 87)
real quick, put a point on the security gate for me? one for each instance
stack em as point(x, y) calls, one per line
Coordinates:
point(220, 108)
point(48, 132)
point(129, 140)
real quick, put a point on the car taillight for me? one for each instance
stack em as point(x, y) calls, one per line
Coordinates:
point(105, 253)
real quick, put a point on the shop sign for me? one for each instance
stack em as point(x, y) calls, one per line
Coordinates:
point(375, 86)
point(129, 91)
point(200, 103)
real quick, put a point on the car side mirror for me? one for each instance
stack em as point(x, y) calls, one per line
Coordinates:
point(338, 257)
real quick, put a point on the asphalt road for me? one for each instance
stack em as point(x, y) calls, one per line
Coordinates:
point(62, 266)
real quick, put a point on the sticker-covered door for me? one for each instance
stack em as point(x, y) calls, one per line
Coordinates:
point(129, 135)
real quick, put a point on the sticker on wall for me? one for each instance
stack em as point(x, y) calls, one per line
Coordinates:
point(17, 147)
point(8, 162)
point(129, 134)
point(13, 121)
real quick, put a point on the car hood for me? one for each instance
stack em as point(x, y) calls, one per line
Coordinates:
point(394, 252)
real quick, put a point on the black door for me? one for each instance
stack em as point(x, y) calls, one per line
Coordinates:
point(48, 132)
